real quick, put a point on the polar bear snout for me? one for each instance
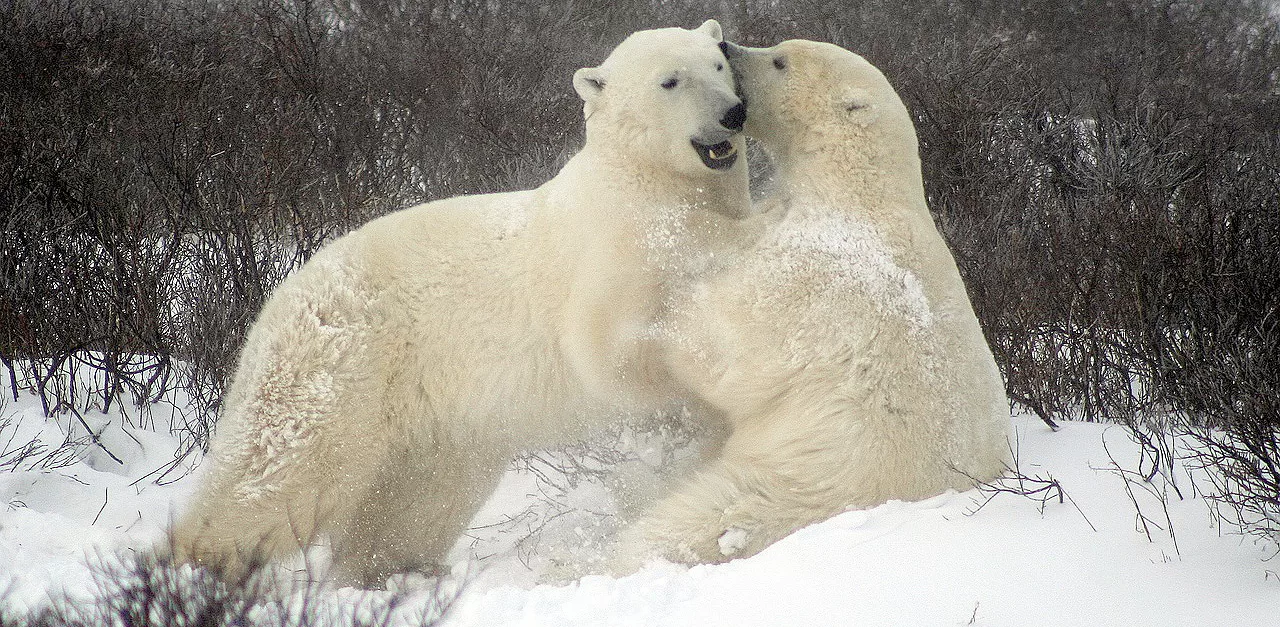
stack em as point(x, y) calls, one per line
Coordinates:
point(731, 50)
point(715, 146)
point(735, 117)
point(730, 123)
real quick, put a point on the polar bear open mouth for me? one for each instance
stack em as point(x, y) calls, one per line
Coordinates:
point(721, 156)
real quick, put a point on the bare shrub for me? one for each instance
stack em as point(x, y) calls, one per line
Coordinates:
point(145, 591)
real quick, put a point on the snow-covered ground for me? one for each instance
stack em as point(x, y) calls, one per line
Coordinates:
point(1109, 553)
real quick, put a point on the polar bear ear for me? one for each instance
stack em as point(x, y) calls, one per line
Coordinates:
point(711, 28)
point(855, 99)
point(588, 82)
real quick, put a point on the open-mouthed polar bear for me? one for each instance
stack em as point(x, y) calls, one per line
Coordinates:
point(385, 385)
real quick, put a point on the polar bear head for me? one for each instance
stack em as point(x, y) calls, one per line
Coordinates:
point(814, 102)
point(666, 96)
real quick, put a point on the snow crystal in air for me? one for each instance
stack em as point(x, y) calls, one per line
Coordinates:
point(855, 257)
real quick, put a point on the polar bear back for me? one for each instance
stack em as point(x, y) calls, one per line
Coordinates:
point(431, 288)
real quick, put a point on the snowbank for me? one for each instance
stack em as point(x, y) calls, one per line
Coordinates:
point(980, 557)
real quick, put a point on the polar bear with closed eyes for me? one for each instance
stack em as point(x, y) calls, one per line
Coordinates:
point(842, 351)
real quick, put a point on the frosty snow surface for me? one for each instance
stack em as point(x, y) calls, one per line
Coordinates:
point(972, 558)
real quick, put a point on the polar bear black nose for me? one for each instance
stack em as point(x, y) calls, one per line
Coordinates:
point(734, 118)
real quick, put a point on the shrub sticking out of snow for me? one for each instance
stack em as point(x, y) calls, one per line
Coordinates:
point(130, 591)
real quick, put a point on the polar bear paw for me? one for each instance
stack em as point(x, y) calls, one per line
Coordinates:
point(732, 541)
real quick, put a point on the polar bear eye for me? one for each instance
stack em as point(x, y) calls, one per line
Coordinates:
point(780, 63)
point(670, 83)
point(719, 67)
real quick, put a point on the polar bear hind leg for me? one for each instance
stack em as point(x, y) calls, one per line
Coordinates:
point(299, 440)
point(417, 508)
point(240, 523)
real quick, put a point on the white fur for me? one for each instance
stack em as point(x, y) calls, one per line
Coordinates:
point(843, 351)
point(386, 384)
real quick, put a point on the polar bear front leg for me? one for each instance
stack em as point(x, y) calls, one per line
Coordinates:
point(708, 519)
point(734, 507)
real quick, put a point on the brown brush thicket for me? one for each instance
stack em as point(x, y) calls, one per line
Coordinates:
point(130, 591)
point(1107, 173)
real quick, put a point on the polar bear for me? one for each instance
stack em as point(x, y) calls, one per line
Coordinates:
point(386, 384)
point(842, 351)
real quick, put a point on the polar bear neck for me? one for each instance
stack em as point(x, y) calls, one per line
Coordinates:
point(676, 224)
point(624, 181)
point(624, 239)
point(884, 192)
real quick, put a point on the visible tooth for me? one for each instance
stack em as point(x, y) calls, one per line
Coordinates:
point(728, 152)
